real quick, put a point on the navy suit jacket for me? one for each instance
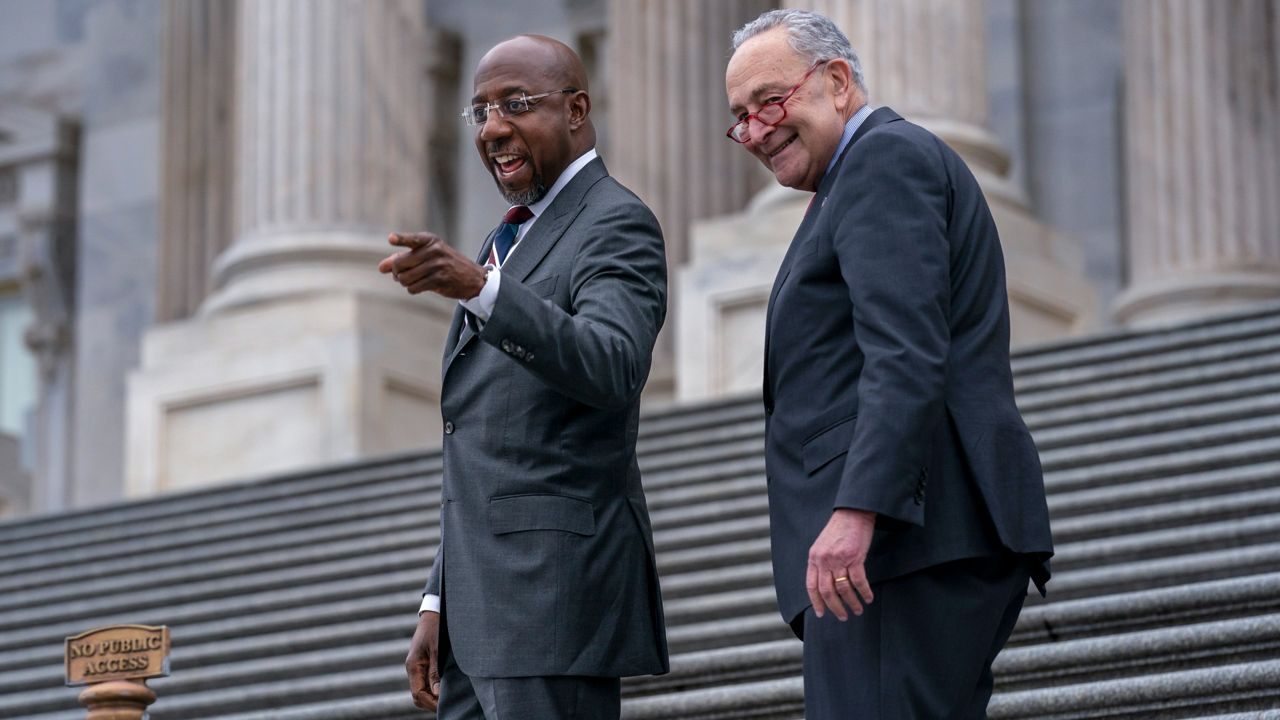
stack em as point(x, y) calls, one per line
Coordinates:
point(887, 382)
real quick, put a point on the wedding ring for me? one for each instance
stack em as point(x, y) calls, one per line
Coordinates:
point(843, 578)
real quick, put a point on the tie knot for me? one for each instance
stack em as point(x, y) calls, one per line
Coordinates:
point(517, 215)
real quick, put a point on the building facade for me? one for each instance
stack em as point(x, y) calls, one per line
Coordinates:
point(193, 195)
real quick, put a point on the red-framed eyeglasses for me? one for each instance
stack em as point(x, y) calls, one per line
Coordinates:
point(770, 113)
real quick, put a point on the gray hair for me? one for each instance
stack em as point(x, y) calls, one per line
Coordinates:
point(811, 35)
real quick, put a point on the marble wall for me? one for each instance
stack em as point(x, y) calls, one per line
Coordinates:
point(118, 228)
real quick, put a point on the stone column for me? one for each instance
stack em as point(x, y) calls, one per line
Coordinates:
point(331, 115)
point(196, 169)
point(668, 112)
point(667, 119)
point(927, 59)
point(38, 201)
point(1202, 128)
point(303, 353)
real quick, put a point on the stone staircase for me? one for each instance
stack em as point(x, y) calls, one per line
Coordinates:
point(293, 598)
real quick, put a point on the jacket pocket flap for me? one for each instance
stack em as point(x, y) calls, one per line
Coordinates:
point(545, 287)
point(541, 511)
point(828, 445)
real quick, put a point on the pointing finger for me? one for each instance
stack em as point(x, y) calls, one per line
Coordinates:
point(411, 241)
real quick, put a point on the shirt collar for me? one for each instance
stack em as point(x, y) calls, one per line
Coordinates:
point(850, 128)
point(539, 207)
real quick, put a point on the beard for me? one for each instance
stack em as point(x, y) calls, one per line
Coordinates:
point(527, 197)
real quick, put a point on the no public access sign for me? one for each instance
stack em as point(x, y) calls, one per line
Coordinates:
point(118, 652)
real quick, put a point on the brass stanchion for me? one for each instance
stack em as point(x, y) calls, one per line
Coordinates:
point(115, 663)
point(117, 700)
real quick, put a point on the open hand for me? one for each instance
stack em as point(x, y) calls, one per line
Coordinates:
point(837, 575)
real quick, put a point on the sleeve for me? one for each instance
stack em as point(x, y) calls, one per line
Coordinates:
point(481, 306)
point(599, 351)
point(891, 242)
point(432, 588)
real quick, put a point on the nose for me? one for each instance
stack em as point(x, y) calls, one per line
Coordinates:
point(757, 132)
point(494, 126)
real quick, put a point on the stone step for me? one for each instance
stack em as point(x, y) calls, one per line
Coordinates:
point(1190, 693)
point(708, 668)
point(1066, 504)
point(679, 418)
point(766, 700)
point(1164, 572)
point(242, 635)
point(1263, 319)
point(244, 497)
point(136, 536)
point(1191, 355)
point(694, 525)
point(1138, 469)
point(1168, 542)
point(1122, 449)
point(1147, 608)
point(1154, 385)
point(708, 434)
point(1147, 395)
point(405, 585)
point(1219, 413)
point(1144, 652)
point(1167, 514)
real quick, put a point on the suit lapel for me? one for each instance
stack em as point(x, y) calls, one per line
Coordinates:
point(876, 118)
point(460, 333)
point(552, 223)
point(532, 247)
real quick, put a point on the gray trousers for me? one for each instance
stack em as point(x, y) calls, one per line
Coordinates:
point(923, 650)
point(568, 697)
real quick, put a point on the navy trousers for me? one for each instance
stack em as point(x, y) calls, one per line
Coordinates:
point(922, 651)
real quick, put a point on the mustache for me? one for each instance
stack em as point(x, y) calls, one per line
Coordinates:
point(494, 148)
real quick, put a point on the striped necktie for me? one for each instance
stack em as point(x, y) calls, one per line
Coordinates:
point(506, 237)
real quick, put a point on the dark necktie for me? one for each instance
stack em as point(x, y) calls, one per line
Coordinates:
point(506, 237)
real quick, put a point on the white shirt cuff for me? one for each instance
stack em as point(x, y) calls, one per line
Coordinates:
point(482, 305)
point(430, 603)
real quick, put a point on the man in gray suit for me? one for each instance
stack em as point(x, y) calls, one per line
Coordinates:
point(904, 487)
point(544, 591)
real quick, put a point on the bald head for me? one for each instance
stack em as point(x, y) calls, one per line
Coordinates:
point(549, 58)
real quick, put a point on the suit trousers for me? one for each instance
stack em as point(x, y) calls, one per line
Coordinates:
point(922, 650)
point(567, 697)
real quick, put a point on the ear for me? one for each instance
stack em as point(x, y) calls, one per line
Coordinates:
point(579, 109)
point(840, 76)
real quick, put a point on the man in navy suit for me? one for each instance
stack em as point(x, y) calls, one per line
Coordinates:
point(899, 468)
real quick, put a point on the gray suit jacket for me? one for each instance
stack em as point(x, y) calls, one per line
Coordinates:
point(546, 565)
point(887, 383)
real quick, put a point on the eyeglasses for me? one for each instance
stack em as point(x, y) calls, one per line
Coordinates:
point(507, 107)
point(770, 113)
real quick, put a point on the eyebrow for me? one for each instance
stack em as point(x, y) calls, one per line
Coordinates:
point(765, 88)
point(504, 93)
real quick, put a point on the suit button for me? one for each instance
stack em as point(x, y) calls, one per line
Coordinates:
point(529, 357)
point(506, 345)
point(448, 428)
point(768, 409)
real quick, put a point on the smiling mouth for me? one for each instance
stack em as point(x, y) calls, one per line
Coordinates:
point(507, 164)
point(782, 147)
